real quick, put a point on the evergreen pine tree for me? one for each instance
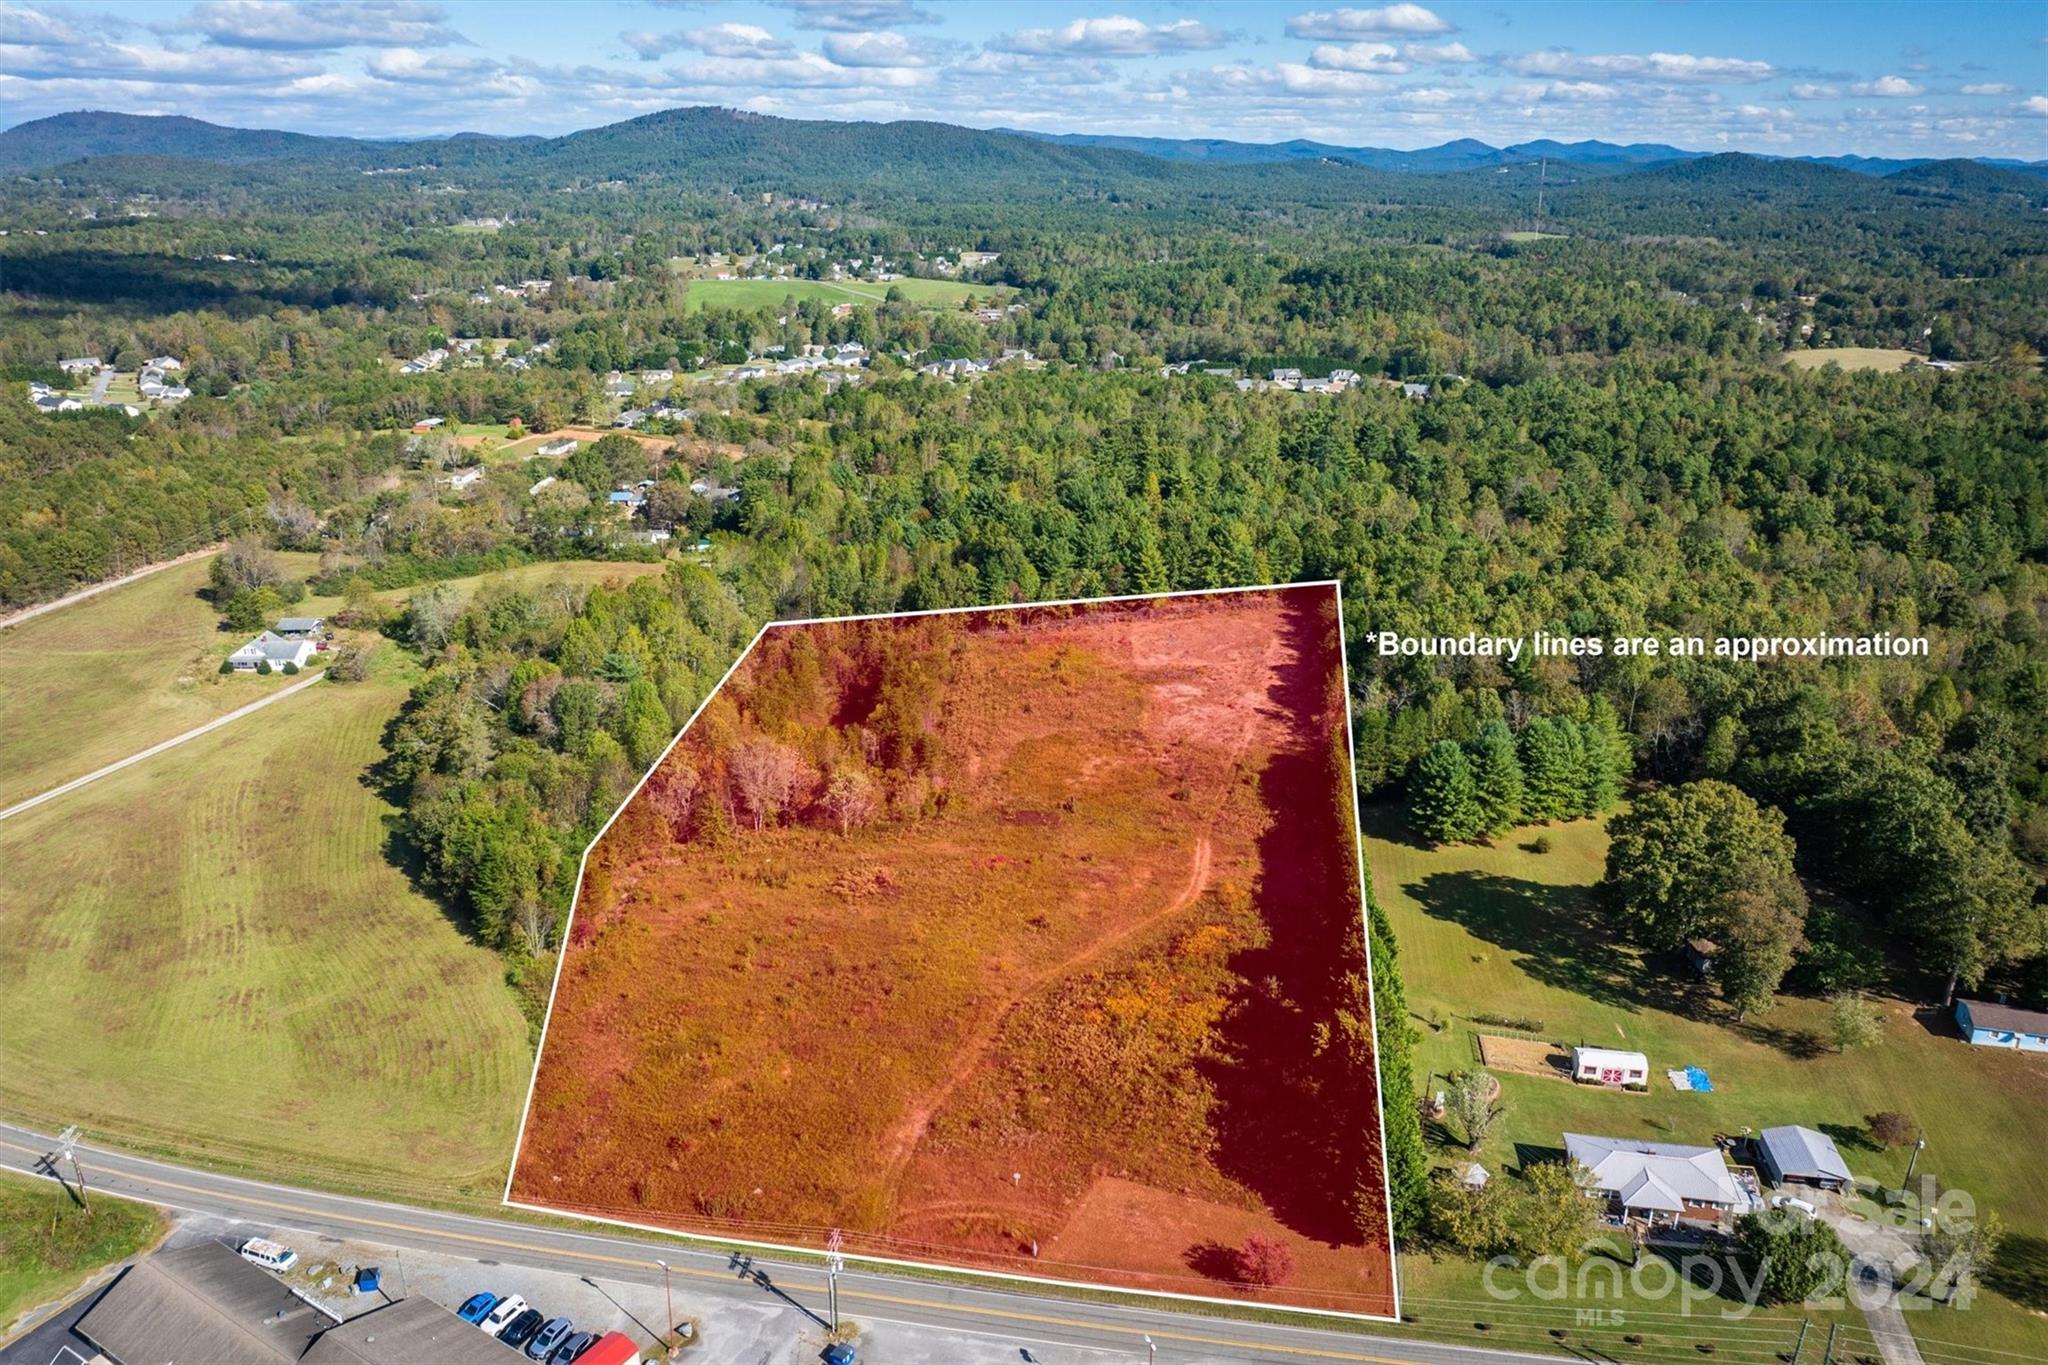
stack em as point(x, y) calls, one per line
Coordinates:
point(1497, 775)
point(1607, 761)
point(1444, 802)
point(1553, 769)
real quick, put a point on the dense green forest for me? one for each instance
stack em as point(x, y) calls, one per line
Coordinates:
point(1611, 446)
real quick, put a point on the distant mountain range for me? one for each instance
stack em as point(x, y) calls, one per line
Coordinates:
point(936, 163)
point(1469, 154)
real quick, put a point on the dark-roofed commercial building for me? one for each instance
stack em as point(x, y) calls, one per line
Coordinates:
point(1800, 1156)
point(201, 1305)
point(411, 1330)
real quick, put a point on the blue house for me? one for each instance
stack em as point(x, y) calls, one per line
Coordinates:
point(1989, 1025)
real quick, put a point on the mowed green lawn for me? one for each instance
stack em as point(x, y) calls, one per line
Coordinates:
point(1505, 931)
point(213, 954)
point(753, 294)
point(91, 683)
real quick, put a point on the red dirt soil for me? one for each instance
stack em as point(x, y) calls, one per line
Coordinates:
point(1081, 996)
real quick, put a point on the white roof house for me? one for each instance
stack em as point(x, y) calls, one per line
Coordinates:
point(1659, 1181)
point(1610, 1066)
point(273, 649)
point(80, 364)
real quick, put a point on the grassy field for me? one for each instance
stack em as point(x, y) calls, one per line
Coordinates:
point(1509, 932)
point(213, 953)
point(752, 294)
point(95, 682)
point(1882, 359)
point(49, 1244)
point(92, 683)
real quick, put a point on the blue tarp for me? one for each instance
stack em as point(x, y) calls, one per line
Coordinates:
point(1697, 1077)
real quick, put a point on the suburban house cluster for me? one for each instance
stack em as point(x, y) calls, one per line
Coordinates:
point(93, 383)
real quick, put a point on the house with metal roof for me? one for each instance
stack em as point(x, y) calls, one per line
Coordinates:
point(1792, 1155)
point(300, 627)
point(1659, 1183)
point(273, 649)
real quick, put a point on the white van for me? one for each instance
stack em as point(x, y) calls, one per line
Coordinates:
point(268, 1254)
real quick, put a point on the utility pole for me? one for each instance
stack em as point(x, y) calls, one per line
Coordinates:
point(1800, 1344)
point(68, 1140)
point(1911, 1162)
point(1151, 1352)
point(668, 1324)
point(1827, 1357)
point(834, 1263)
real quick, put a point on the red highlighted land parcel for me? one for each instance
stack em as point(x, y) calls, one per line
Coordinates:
point(1025, 940)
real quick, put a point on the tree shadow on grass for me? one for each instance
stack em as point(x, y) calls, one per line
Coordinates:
point(1800, 1044)
point(1212, 1260)
point(2019, 1271)
point(1853, 1136)
point(1553, 933)
point(1295, 1120)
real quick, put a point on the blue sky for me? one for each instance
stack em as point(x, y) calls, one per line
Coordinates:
point(1885, 79)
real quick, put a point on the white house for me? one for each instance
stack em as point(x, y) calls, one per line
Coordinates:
point(1987, 1024)
point(565, 446)
point(1609, 1066)
point(81, 364)
point(1658, 1182)
point(273, 649)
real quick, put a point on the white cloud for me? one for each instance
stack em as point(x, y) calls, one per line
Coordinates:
point(318, 25)
point(35, 27)
point(1115, 35)
point(1888, 87)
point(1441, 54)
point(1810, 91)
point(1662, 66)
point(2034, 104)
point(1285, 78)
point(736, 40)
point(1366, 23)
point(649, 44)
point(1987, 88)
point(856, 16)
point(802, 70)
point(873, 49)
point(1381, 58)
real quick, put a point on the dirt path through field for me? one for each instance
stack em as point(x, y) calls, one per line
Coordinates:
point(904, 1139)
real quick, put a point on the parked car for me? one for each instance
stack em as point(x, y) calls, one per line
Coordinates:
point(548, 1338)
point(476, 1307)
point(571, 1347)
point(1786, 1201)
point(268, 1254)
point(520, 1330)
point(502, 1312)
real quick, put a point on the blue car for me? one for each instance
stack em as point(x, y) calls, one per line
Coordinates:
point(476, 1308)
point(548, 1338)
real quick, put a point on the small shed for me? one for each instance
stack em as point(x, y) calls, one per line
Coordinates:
point(1610, 1066)
point(1699, 955)
point(1474, 1177)
point(1800, 1156)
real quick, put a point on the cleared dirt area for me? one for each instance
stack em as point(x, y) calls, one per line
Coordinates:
point(976, 936)
point(1523, 1055)
point(1884, 359)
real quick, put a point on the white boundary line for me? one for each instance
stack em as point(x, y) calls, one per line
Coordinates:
point(1358, 846)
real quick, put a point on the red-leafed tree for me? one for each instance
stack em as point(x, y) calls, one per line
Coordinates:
point(1264, 1260)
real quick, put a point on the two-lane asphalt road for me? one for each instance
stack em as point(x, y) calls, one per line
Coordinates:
point(1036, 1324)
